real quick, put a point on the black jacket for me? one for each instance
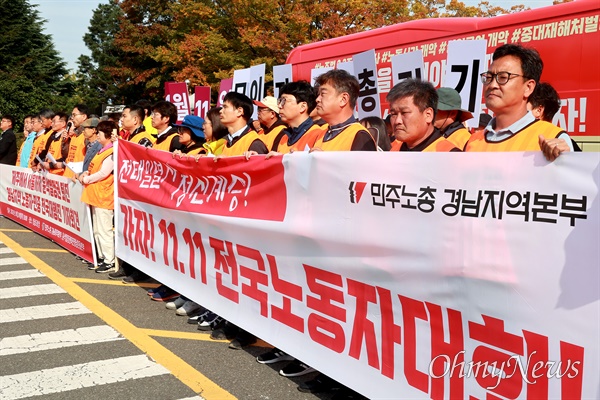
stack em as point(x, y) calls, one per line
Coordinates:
point(8, 147)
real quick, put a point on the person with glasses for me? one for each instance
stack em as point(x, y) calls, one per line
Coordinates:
point(270, 124)
point(77, 145)
point(164, 116)
point(57, 149)
point(413, 106)
point(507, 85)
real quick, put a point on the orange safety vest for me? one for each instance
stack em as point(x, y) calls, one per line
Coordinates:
point(56, 150)
point(100, 194)
point(524, 140)
point(241, 145)
point(39, 144)
point(137, 138)
point(269, 138)
point(165, 144)
point(76, 153)
point(459, 137)
point(308, 139)
point(442, 144)
point(343, 141)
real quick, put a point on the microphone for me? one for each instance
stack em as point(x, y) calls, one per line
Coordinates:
point(69, 126)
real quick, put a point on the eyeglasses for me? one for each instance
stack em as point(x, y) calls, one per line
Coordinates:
point(501, 77)
point(264, 109)
point(73, 115)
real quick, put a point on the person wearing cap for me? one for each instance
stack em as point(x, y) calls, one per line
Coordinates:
point(191, 136)
point(93, 145)
point(451, 116)
point(413, 105)
point(270, 124)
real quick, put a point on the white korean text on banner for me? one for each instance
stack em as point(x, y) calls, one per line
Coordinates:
point(177, 93)
point(447, 276)
point(365, 70)
point(466, 60)
point(241, 77)
point(282, 75)
point(49, 205)
point(202, 100)
point(224, 87)
point(407, 65)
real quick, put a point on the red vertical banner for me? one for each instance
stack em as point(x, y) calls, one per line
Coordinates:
point(226, 85)
point(201, 100)
point(177, 93)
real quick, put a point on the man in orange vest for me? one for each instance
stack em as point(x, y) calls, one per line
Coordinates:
point(507, 85)
point(336, 100)
point(450, 117)
point(413, 106)
point(235, 114)
point(269, 124)
point(164, 116)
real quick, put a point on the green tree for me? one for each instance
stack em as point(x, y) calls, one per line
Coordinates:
point(32, 73)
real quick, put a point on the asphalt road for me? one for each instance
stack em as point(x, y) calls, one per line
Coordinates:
point(69, 333)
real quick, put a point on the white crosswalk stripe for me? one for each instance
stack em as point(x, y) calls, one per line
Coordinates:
point(33, 290)
point(43, 311)
point(57, 339)
point(12, 261)
point(62, 379)
point(24, 383)
point(21, 274)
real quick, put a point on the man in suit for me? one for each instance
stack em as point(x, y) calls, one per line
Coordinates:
point(8, 141)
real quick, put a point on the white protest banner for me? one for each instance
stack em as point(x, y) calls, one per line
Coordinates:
point(257, 82)
point(466, 60)
point(202, 100)
point(49, 205)
point(407, 65)
point(224, 87)
point(470, 274)
point(282, 75)
point(177, 93)
point(241, 77)
point(365, 70)
point(316, 72)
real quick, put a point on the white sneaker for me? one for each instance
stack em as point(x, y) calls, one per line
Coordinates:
point(188, 308)
point(175, 304)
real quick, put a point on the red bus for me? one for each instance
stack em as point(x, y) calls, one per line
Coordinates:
point(567, 37)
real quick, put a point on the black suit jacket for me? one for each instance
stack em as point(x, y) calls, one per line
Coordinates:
point(8, 147)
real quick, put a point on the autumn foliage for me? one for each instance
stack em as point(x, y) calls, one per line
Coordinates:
point(203, 41)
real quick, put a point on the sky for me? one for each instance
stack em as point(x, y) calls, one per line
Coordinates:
point(68, 21)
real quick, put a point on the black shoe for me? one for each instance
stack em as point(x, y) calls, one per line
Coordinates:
point(104, 268)
point(118, 275)
point(321, 383)
point(239, 343)
point(136, 276)
point(91, 266)
point(274, 355)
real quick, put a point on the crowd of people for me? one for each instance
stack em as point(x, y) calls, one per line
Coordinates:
point(303, 118)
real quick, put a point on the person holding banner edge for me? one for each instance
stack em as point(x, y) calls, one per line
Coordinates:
point(507, 85)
